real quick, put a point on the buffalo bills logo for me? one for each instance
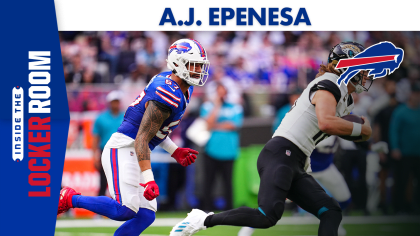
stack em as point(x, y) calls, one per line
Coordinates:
point(380, 59)
point(182, 47)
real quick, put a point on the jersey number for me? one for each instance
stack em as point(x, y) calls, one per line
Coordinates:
point(165, 131)
point(139, 98)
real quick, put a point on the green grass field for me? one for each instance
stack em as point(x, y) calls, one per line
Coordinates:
point(355, 226)
point(283, 230)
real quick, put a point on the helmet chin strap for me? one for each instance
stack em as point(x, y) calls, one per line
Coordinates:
point(358, 88)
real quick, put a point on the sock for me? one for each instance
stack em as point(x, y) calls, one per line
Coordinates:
point(243, 216)
point(345, 204)
point(143, 219)
point(104, 206)
point(330, 220)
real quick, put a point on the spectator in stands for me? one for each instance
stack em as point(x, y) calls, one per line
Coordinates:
point(105, 125)
point(404, 135)
point(149, 56)
point(381, 133)
point(353, 161)
point(218, 76)
point(223, 120)
point(281, 113)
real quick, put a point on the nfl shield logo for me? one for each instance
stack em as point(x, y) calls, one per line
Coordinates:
point(131, 153)
point(288, 152)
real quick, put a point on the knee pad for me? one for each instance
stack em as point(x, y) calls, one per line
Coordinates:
point(265, 222)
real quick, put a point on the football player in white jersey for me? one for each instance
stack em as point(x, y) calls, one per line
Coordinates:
point(284, 161)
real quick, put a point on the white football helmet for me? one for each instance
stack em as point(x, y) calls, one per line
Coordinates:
point(183, 56)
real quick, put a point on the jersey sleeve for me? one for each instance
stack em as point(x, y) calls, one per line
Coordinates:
point(162, 106)
point(166, 96)
point(328, 86)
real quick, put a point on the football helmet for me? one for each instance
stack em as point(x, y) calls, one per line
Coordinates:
point(183, 57)
point(345, 50)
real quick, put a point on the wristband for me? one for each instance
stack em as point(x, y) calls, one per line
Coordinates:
point(357, 129)
point(148, 176)
point(168, 145)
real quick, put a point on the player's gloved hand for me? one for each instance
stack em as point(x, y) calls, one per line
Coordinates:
point(185, 156)
point(151, 190)
point(380, 146)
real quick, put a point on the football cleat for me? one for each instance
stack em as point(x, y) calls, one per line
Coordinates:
point(190, 225)
point(246, 231)
point(341, 230)
point(64, 204)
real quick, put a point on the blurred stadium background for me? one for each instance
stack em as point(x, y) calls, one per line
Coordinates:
point(260, 71)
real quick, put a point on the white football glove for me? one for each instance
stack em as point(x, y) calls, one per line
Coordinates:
point(380, 147)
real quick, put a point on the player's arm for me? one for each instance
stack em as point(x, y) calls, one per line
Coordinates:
point(235, 121)
point(225, 125)
point(95, 145)
point(152, 120)
point(212, 117)
point(325, 108)
point(96, 151)
point(184, 156)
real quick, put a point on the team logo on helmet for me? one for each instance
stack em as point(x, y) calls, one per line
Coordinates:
point(350, 49)
point(380, 59)
point(182, 47)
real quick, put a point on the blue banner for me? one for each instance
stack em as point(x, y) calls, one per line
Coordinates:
point(34, 120)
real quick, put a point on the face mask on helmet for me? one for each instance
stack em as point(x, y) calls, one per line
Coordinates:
point(188, 60)
point(198, 72)
point(357, 82)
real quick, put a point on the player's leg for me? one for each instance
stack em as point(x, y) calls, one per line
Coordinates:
point(332, 180)
point(309, 195)
point(209, 177)
point(276, 166)
point(135, 226)
point(226, 169)
point(144, 217)
point(123, 176)
point(276, 174)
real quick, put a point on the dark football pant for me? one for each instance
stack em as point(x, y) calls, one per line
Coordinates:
point(280, 166)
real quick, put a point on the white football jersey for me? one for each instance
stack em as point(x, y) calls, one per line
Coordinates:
point(300, 125)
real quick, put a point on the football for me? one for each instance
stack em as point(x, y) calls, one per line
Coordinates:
point(356, 119)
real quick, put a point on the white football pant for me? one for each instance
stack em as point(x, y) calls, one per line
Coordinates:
point(334, 182)
point(124, 176)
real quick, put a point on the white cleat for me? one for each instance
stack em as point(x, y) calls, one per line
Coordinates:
point(246, 231)
point(190, 225)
